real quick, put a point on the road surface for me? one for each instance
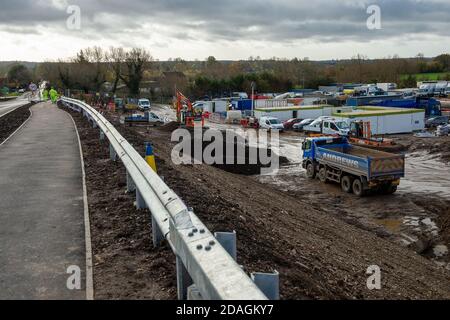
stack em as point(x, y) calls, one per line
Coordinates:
point(42, 230)
point(9, 106)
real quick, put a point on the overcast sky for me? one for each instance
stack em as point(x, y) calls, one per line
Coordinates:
point(36, 30)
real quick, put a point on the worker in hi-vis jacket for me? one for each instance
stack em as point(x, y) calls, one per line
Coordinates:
point(53, 95)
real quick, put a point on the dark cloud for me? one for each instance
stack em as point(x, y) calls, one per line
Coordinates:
point(280, 21)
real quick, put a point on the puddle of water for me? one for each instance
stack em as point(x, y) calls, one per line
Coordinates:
point(426, 174)
point(392, 225)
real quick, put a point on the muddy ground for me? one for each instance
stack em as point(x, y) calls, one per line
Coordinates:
point(436, 146)
point(13, 120)
point(126, 266)
point(319, 252)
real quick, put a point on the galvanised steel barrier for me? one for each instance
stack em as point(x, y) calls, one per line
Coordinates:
point(205, 263)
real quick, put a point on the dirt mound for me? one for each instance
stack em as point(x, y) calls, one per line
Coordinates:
point(439, 146)
point(170, 126)
point(235, 155)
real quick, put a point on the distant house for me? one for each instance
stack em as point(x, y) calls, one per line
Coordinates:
point(162, 85)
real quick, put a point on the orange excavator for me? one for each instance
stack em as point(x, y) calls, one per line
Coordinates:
point(187, 116)
point(361, 134)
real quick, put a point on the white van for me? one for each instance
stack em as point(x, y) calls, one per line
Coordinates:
point(144, 104)
point(240, 95)
point(271, 123)
point(328, 125)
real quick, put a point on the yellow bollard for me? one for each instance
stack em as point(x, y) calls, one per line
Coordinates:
point(150, 157)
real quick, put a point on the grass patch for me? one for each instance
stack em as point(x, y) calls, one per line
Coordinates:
point(428, 76)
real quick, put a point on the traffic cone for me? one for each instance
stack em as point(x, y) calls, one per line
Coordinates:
point(150, 157)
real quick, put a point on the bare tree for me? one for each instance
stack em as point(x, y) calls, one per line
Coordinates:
point(95, 59)
point(115, 58)
point(136, 61)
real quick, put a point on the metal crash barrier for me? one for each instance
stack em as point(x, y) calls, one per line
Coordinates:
point(205, 263)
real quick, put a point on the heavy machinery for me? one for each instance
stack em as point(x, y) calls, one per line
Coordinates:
point(358, 170)
point(187, 115)
point(361, 134)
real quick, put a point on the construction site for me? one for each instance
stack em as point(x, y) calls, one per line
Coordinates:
point(129, 177)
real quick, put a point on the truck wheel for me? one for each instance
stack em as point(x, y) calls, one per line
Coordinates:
point(390, 190)
point(347, 184)
point(323, 174)
point(393, 190)
point(310, 171)
point(358, 188)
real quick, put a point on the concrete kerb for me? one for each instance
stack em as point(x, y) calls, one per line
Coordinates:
point(87, 225)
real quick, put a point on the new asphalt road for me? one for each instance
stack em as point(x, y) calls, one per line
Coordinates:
point(42, 232)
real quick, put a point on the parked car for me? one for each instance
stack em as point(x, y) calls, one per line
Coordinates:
point(289, 124)
point(436, 121)
point(299, 126)
point(144, 104)
point(270, 123)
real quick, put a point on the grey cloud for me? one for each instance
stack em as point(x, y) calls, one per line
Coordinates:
point(271, 20)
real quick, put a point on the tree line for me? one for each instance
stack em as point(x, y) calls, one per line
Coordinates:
point(135, 68)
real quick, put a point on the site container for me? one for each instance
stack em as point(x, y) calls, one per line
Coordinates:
point(387, 120)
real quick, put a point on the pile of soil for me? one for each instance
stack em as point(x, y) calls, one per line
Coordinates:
point(235, 156)
point(13, 120)
point(170, 126)
point(438, 146)
point(318, 255)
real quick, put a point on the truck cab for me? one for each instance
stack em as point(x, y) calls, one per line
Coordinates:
point(328, 126)
point(427, 89)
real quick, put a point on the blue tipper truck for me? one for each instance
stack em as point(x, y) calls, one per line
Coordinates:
point(357, 169)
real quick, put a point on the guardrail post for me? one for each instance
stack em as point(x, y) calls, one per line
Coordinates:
point(102, 135)
point(184, 280)
point(228, 242)
point(140, 203)
point(112, 153)
point(157, 235)
point(131, 187)
point(194, 294)
point(268, 283)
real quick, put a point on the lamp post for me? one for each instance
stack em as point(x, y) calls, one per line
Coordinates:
point(253, 98)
